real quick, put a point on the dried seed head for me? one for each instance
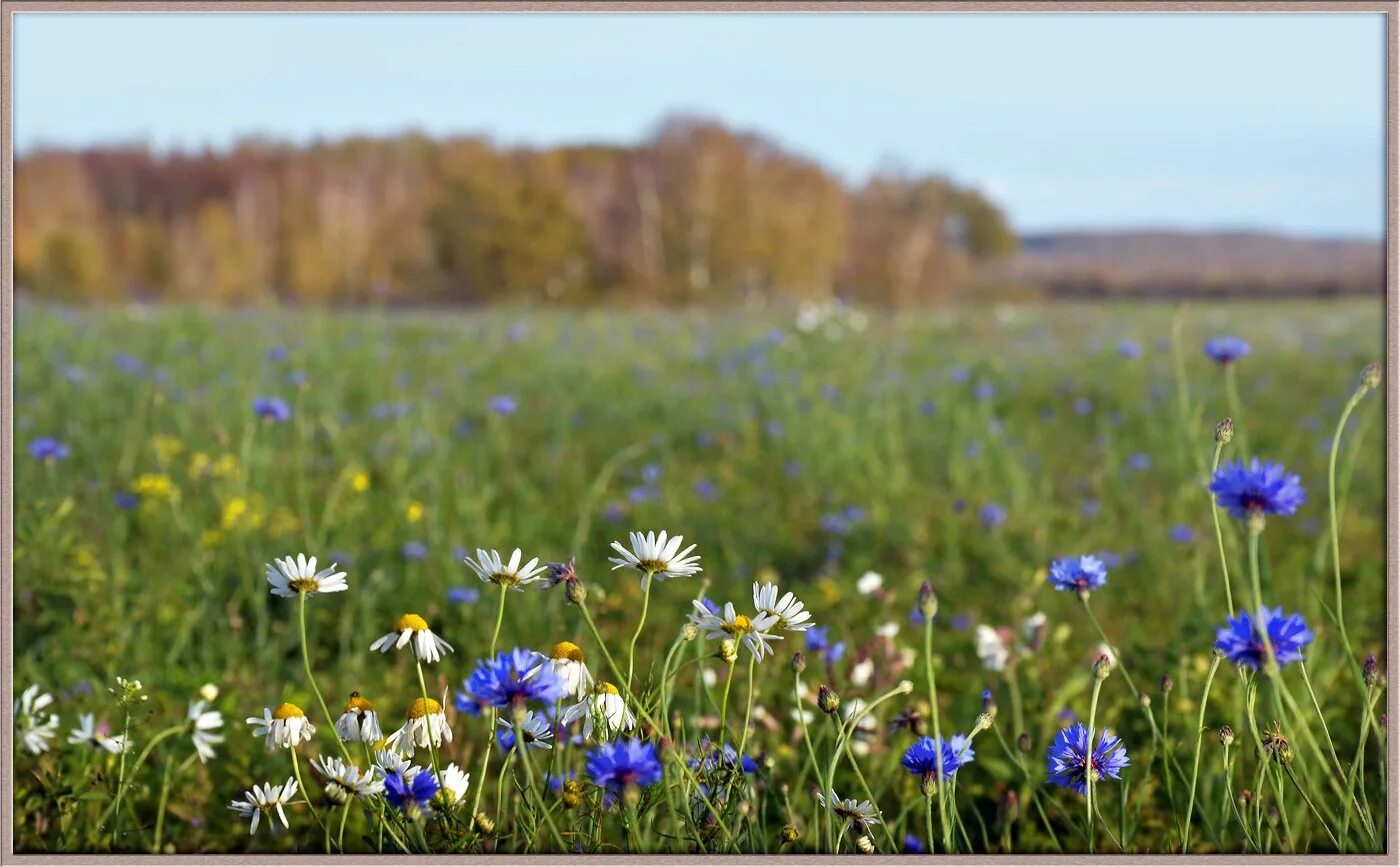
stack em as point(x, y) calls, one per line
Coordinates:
point(690, 631)
point(1371, 376)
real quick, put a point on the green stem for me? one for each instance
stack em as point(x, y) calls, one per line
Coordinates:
point(306, 663)
point(1196, 762)
point(937, 730)
point(530, 785)
point(1332, 513)
point(1090, 774)
point(641, 622)
point(1220, 538)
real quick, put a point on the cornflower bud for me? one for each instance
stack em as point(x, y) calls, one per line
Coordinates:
point(799, 662)
point(1371, 672)
point(1144, 700)
point(827, 699)
point(1371, 376)
point(1102, 666)
point(1166, 684)
point(1023, 742)
point(928, 601)
point(1227, 736)
point(1225, 431)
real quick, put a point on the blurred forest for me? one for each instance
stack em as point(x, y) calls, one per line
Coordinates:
point(698, 213)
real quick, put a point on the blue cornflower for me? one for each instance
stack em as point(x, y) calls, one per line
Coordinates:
point(414, 550)
point(930, 757)
point(271, 408)
point(515, 677)
point(1226, 350)
point(48, 449)
point(463, 595)
point(817, 640)
point(1139, 461)
point(706, 491)
point(993, 515)
point(1182, 534)
point(961, 745)
point(1242, 643)
point(1129, 349)
point(651, 473)
point(502, 404)
point(1262, 487)
point(126, 500)
point(1080, 574)
point(617, 765)
point(414, 793)
point(913, 846)
point(1068, 760)
point(556, 782)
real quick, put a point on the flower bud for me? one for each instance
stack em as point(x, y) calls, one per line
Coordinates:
point(799, 662)
point(209, 692)
point(789, 834)
point(728, 651)
point(989, 704)
point(1371, 672)
point(983, 722)
point(1102, 666)
point(1225, 431)
point(1010, 808)
point(1227, 736)
point(690, 631)
point(484, 824)
point(1144, 700)
point(1166, 684)
point(1023, 742)
point(928, 784)
point(928, 601)
point(572, 794)
point(1371, 376)
point(827, 699)
point(865, 844)
point(574, 591)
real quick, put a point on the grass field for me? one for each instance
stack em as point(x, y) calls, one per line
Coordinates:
point(970, 449)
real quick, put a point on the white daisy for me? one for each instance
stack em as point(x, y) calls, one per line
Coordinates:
point(656, 554)
point(887, 631)
point(453, 783)
point(791, 613)
point(425, 722)
point(492, 569)
point(203, 723)
point(869, 583)
point(35, 729)
point(862, 671)
point(410, 627)
point(991, 648)
point(604, 711)
point(849, 810)
point(266, 799)
point(359, 723)
point(285, 727)
point(345, 781)
point(566, 658)
point(89, 733)
point(391, 761)
point(293, 577)
point(535, 729)
point(751, 631)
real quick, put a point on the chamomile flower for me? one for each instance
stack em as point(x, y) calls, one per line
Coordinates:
point(35, 728)
point(425, 722)
point(412, 628)
point(603, 711)
point(390, 761)
point(203, 729)
point(856, 814)
point(359, 722)
point(88, 732)
point(453, 783)
point(869, 583)
point(294, 576)
point(729, 624)
point(345, 781)
point(266, 799)
point(284, 727)
point(535, 729)
point(493, 569)
point(658, 555)
point(566, 659)
point(792, 615)
point(992, 648)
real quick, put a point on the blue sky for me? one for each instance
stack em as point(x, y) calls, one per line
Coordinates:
point(1191, 121)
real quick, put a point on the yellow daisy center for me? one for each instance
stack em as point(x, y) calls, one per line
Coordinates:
point(739, 625)
point(422, 707)
point(304, 585)
point(287, 710)
point(358, 704)
point(508, 579)
point(566, 650)
point(411, 621)
point(605, 687)
point(652, 566)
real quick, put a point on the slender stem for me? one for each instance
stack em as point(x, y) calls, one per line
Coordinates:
point(491, 715)
point(121, 772)
point(641, 622)
point(724, 705)
point(1332, 512)
point(427, 718)
point(1233, 395)
point(1196, 762)
point(807, 737)
point(1090, 772)
point(301, 787)
point(1270, 666)
point(124, 783)
point(306, 663)
point(500, 616)
point(530, 785)
point(937, 730)
point(1220, 538)
point(340, 836)
point(164, 802)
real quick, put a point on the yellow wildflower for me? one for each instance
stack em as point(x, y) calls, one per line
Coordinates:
point(414, 511)
point(156, 486)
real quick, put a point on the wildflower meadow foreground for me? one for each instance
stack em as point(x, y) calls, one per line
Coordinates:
point(1066, 582)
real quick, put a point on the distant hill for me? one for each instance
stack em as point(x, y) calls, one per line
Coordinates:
point(1186, 264)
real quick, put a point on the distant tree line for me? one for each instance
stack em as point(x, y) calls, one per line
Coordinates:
point(696, 214)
